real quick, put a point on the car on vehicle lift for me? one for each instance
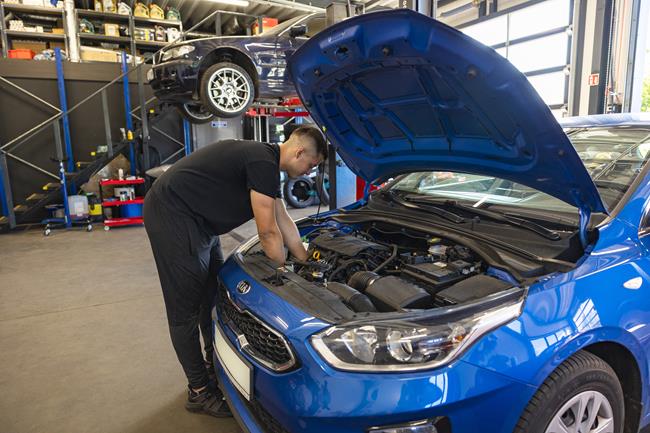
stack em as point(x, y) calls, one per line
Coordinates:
point(222, 76)
point(499, 281)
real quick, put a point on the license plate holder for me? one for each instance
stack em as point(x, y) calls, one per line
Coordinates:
point(238, 370)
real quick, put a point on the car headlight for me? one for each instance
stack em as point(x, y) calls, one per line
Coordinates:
point(407, 344)
point(176, 52)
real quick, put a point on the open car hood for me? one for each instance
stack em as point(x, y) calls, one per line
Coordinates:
point(397, 92)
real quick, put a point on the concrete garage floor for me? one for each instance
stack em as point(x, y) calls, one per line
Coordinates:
point(84, 343)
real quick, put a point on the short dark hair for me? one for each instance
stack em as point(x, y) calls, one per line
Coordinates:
point(315, 135)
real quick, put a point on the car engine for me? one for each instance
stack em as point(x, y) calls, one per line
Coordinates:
point(381, 269)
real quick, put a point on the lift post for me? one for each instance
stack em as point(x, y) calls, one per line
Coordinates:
point(127, 111)
point(63, 100)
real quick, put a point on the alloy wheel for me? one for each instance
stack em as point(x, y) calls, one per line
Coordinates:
point(229, 90)
point(587, 412)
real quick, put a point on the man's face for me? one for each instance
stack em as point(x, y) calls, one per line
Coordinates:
point(304, 160)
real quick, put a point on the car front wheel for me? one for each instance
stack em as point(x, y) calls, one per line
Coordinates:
point(582, 395)
point(227, 90)
point(195, 113)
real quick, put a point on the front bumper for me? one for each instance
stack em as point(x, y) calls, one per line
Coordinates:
point(316, 398)
point(174, 81)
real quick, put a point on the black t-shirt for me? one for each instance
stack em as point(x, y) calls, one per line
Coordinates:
point(214, 182)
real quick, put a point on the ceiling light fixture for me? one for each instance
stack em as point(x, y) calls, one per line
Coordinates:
point(241, 3)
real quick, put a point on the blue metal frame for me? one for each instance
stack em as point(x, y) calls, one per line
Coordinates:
point(127, 111)
point(64, 191)
point(187, 136)
point(3, 196)
point(63, 101)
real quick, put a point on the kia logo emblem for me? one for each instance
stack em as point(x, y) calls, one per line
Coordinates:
point(243, 287)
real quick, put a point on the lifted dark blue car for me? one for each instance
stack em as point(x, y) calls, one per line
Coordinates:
point(222, 76)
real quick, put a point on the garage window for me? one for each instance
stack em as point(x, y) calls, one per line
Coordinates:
point(535, 39)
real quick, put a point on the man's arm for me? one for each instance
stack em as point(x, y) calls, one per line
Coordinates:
point(267, 227)
point(289, 231)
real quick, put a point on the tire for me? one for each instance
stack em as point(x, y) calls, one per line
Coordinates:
point(323, 188)
point(583, 377)
point(299, 192)
point(195, 113)
point(227, 90)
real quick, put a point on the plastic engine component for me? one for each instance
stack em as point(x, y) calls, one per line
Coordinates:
point(439, 274)
point(347, 245)
point(393, 293)
point(472, 288)
point(359, 302)
point(390, 293)
point(362, 279)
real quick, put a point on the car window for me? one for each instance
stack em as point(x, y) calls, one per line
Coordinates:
point(613, 157)
point(315, 25)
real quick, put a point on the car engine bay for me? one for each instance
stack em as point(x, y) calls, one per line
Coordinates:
point(384, 268)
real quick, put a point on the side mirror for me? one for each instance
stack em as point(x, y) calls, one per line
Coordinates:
point(299, 30)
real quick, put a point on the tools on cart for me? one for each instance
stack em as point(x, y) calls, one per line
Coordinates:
point(124, 207)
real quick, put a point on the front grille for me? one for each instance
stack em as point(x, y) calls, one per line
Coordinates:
point(264, 344)
point(264, 419)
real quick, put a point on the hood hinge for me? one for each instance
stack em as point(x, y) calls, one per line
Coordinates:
point(585, 215)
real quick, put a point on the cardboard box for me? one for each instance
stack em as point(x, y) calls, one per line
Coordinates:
point(54, 44)
point(92, 54)
point(35, 46)
point(112, 30)
point(58, 31)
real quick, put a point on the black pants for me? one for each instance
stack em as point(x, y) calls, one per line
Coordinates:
point(188, 259)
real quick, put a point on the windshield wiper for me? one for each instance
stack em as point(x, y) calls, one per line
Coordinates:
point(496, 216)
point(436, 210)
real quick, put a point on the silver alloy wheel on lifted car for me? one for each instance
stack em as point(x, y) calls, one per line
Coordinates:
point(228, 89)
point(587, 412)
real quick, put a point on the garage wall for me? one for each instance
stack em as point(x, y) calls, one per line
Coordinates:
point(19, 113)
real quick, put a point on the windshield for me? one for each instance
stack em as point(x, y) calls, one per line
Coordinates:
point(613, 157)
point(276, 30)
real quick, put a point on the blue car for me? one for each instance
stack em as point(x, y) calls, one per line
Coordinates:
point(222, 76)
point(498, 281)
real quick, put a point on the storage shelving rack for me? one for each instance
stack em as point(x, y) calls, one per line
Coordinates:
point(131, 43)
point(125, 42)
point(120, 222)
point(131, 21)
point(7, 35)
point(153, 21)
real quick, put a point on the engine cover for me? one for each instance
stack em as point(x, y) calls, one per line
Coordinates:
point(346, 245)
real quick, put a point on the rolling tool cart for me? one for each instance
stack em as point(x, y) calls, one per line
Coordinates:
point(126, 203)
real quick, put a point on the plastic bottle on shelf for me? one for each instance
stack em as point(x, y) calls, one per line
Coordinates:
point(109, 6)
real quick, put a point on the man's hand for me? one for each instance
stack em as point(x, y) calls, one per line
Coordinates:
point(289, 231)
point(267, 226)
